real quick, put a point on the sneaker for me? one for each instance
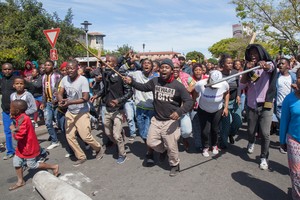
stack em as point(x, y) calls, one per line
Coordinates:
point(174, 171)
point(205, 152)
point(121, 159)
point(149, 160)
point(215, 150)
point(68, 155)
point(250, 148)
point(162, 156)
point(36, 125)
point(53, 145)
point(131, 138)
point(263, 164)
point(282, 151)
point(79, 162)
point(8, 156)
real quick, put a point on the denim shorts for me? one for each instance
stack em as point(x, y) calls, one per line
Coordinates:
point(31, 162)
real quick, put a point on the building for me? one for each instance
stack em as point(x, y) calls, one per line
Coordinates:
point(160, 55)
point(95, 41)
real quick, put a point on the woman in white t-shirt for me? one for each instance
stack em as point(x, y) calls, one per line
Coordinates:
point(213, 104)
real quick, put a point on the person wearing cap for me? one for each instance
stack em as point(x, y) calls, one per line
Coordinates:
point(213, 104)
point(171, 101)
point(261, 91)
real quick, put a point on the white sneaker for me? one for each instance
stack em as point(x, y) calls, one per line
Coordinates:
point(282, 151)
point(263, 164)
point(215, 150)
point(67, 155)
point(36, 125)
point(53, 145)
point(250, 148)
point(205, 152)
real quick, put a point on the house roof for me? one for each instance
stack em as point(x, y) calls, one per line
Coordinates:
point(96, 33)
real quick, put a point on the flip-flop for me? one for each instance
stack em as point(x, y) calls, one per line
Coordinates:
point(14, 187)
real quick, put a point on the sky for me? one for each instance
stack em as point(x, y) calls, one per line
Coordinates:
point(162, 25)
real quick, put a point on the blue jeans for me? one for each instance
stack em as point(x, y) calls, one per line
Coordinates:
point(49, 114)
point(7, 121)
point(185, 125)
point(231, 124)
point(130, 114)
point(143, 118)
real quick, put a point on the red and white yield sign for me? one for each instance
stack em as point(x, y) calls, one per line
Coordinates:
point(52, 35)
point(53, 54)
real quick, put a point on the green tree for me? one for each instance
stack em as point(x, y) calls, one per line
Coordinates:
point(236, 47)
point(276, 21)
point(195, 55)
point(122, 50)
point(223, 46)
point(21, 26)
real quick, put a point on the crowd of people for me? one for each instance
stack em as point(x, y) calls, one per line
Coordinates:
point(164, 102)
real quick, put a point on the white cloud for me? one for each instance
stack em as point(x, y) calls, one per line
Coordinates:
point(162, 25)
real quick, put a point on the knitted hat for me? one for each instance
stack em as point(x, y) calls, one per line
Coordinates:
point(167, 61)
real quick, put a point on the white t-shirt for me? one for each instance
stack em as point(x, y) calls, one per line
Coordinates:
point(74, 91)
point(283, 88)
point(211, 99)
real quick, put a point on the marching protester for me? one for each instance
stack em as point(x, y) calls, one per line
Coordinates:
point(233, 121)
point(261, 90)
point(144, 104)
point(114, 94)
point(6, 90)
point(213, 104)
point(49, 80)
point(171, 101)
point(77, 118)
point(27, 144)
point(290, 134)
point(185, 120)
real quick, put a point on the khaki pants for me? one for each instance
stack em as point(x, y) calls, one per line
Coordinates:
point(163, 135)
point(113, 129)
point(81, 124)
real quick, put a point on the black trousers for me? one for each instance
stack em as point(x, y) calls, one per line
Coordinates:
point(210, 123)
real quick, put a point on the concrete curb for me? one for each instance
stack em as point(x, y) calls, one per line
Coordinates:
point(52, 188)
point(41, 130)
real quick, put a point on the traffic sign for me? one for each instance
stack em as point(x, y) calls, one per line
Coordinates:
point(52, 35)
point(53, 54)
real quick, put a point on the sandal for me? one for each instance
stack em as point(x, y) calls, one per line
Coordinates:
point(14, 187)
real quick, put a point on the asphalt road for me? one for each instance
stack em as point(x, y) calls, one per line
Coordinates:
point(233, 174)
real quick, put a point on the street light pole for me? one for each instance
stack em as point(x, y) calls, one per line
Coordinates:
point(86, 29)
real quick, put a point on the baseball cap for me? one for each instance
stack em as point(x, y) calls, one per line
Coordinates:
point(214, 76)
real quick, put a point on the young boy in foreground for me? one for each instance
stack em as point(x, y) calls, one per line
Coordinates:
point(28, 147)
